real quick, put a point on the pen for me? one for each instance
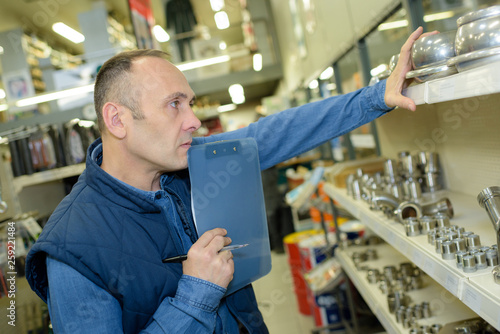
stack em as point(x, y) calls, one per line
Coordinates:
point(180, 258)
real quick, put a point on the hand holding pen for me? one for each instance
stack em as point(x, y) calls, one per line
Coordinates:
point(181, 258)
point(206, 261)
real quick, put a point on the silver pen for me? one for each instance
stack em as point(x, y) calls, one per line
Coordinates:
point(180, 258)
point(232, 247)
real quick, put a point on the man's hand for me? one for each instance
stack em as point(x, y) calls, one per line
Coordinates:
point(397, 80)
point(205, 262)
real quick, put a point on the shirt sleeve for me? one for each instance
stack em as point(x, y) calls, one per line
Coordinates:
point(286, 134)
point(77, 305)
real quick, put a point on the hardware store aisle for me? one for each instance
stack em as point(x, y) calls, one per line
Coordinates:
point(277, 301)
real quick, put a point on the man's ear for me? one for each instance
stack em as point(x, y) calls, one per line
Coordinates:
point(112, 114)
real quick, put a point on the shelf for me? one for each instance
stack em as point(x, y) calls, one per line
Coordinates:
point(445, 309)
point(47, 176)
point(483, 80)
point(468, 214)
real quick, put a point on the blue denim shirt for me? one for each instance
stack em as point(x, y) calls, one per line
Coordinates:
point(70, 291)
point(72, 297)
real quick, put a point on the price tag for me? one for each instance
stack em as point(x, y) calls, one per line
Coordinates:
point(391, 237)
point(445, 90)
point(417, 258)
point(451, 284)
point(403, 247)
point(472, 299)
point(429, 267)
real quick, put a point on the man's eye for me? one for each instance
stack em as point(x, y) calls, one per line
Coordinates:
point(174, 104)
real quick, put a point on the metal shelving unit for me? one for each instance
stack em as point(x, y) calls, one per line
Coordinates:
point(476, 290)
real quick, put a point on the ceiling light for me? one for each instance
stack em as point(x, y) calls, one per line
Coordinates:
point(239, 99)
point(236, 89)
point(226, 107)
point(331, 86)
point(237, 93)
point(222, 45)
point(221, 20)
point(55, 96)
point(1, 50)
point(2, 94)
point(160, 34)
point(217, 5)
point(3, 107)
point(392, 25)
point(257, 62)
point(439, 16)
point(313, 84)
point(68, 32)
point(326, 74)
point(201, 63)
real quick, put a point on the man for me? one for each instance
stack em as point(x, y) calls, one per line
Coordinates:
point(98, 262)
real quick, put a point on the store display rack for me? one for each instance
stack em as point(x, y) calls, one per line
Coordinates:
point(476, 290)
point(23, 181)
point(445, 308)
point(478, 81)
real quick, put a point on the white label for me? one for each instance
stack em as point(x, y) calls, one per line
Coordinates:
point(451, 284)
point(429, 267)
point(417, 258)
point(472, 299)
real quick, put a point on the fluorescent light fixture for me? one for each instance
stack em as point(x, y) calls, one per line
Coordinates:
point(427, 18)
point(392, 25)
point(203, 62)
point(222, 45)
point(237, 93)
point(68, 32)
point(239, 99)
point(221, 20)
point(439, 16)
point(2, 94)
point(160, 34)
point(257, 62)
point(217, 5)
point(326, 74)
point(236, 89)
point(313, 84)
point(55, 95)
point(331, 86)
point(3, 107)
point(379, 69)
point(226, 107)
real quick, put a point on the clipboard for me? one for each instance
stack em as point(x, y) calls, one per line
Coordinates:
point(226, 191)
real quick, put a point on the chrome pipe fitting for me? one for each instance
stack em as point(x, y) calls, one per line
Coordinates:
point(469, 263)
point(408, 209)
point(489, 199)
point(442, 206)
point(448, 250)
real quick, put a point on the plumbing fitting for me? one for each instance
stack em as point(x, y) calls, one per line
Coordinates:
point(442, 206)
point(440, 209)
point(480, 260)
point(427, 223)
point(448, 250)
point(489, 199)
point(496, 274)
point(412, 226)
point(469, 263)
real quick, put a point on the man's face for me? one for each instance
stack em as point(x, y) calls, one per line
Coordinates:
point(160, 141)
